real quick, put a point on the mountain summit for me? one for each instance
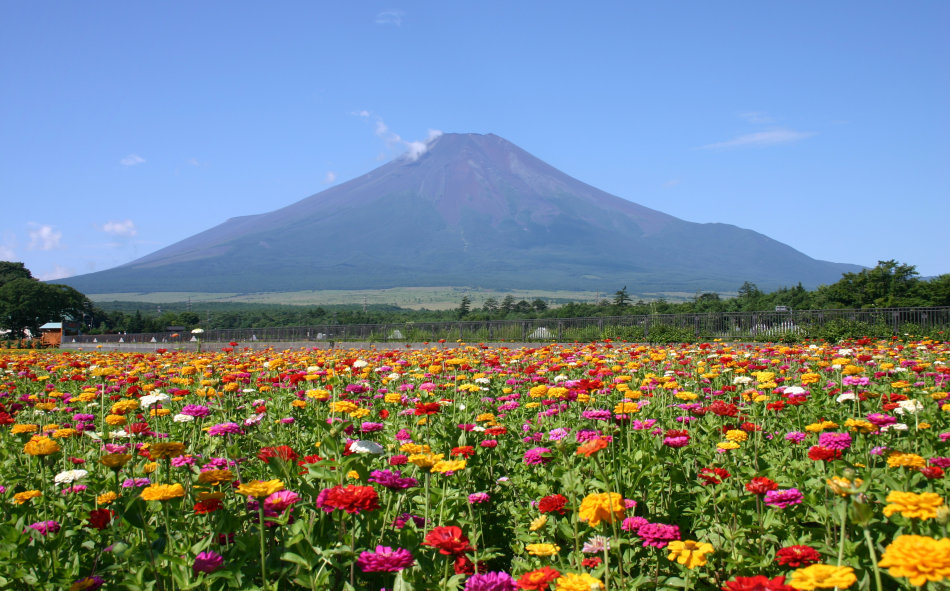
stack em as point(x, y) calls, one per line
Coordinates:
point(470, 210)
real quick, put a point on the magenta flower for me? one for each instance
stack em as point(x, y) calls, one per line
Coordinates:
point(90, 583)
point(385, 560)
point(392, 479)
point(835, 440)
point(45, 527)
point(658, 535)
point(537, 455)
point(491, 581)
point(783, 498)
point(207, 562)
point(480, 497)
point(881, 420)
point(280, 500)
point(196, 410)
point(225, 429)
point(796, 436)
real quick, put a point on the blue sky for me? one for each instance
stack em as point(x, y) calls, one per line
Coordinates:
point(127, 126)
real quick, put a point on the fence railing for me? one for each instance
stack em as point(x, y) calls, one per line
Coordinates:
point(642, 327)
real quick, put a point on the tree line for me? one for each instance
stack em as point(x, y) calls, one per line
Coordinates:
point(26, 303)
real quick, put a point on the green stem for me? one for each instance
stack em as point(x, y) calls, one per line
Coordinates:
point(873, 553)
point(260, 530)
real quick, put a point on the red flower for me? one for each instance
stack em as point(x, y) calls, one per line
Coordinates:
point(932, 472)
point(138, 428)
point(592, 562)
point(465, 451)
point(757, 583)
point(723, 409)
point(207, 506)
point(797, 556)
point(538, 580)
point(712, 475)
point(427, 408)
point(449, 539)
point(817, 452)
point(778, 405)
point(284, 452)
point(350, 498)
point(761, 485)
point(496, 431)
point(101, 518)
point(553, 504)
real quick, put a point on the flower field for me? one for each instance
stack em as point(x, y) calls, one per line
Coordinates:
point(608, 466)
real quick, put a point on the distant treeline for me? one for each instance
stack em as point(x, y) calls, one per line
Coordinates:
point(889, 284)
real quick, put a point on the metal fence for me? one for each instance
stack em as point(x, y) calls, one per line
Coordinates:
point(646, 328)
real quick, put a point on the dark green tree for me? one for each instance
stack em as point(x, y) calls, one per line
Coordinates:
point(490, 306)
point(464, 307)
point(622, 298)
point(10, 271)
point(26, 304)
point(539, 305)
point(507, 304)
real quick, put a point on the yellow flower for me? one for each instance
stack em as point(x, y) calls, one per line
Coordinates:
point(810, 378)
point(115, 420)
point(578, 582)
point(542, 549)
point(918, 558)
point(342, 406)
point(22, 497)
point(159, 412)
point(40, 446)
point(822, 576)
point(727, 445)
point(843, 486)
point(689, 553)
point(425, 460)
point(444, 466)
point(25, 428)
point(597, 507)
point(65, 433)
point(106, 498)
point(353, 475)
point(901, 460)
point(172, 449)
point(149, 467)
point(913, 505)
point(538, 523)
point(626, 408)
point(687, 396)
point(260, 488)
point(318, 394)
point(115, 461)
point(162, 492)
point(860, 425)
point(736, 435)
point(215, 477)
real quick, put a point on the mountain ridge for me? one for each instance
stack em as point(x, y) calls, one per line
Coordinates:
point(471, 210)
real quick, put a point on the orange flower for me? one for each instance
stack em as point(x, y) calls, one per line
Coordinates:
point(591, 447)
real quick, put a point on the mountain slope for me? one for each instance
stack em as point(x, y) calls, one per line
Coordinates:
point(472, 210)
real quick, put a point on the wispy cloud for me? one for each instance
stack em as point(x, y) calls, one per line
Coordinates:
point(132, 160)
point(761, 139)
point(58, 272)
point(414, 149)
point(390, 17)
point(330, 178)
point(756, 117)
point(44, 237)
point(120, 228)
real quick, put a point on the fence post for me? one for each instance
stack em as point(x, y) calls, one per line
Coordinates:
point(560, 331)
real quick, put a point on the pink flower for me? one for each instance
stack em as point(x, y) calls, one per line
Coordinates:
point(207, 562)
point(783, 498)
point(385, 560)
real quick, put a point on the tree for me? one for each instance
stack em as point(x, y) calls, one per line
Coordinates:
point(490, 306)
point(508, 304)
point(539, 305)
point(10, 271)
point(27, 304)
point(464, 307)
point(622, 298)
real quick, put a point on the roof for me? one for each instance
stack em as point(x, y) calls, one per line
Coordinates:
point(52, 326)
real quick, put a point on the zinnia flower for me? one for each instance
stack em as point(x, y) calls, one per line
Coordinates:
point(553, 504)
point(783, 498)
point(350, 498)
point(207, 562)
point(757, 583)
point(162, 492)
point(260, 488)
point(689, 553)
point(90, 583)
point(578, 582)
point(822, 576)
point(538, 580)
point(913, 505)
point(542, 549)
point(597, 507)
point(448, 539)
point(919, 558)
point(40, 446)
point(490, 581)
point(385, 560)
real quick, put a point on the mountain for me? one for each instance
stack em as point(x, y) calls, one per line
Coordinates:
point(471, 210)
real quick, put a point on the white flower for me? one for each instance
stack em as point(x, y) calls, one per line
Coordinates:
point(393, 376)
point(478, 428)
point(180, 418)
point(363, 446)
point(844, 352)
point(150, 399)
point(741, 380)
point(197, 331)
point(846, 396)
point(560, 377)
point(482, 380)
point(908, 406)
point(795, 390)
point(70, 476)
point(119, 434)
point(253, 420)
point(360, 363)
point(894, 427)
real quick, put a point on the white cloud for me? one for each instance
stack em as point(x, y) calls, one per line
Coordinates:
point(120, 228)
point(756, 117)
point(330, 178)
point(58, 272)
point(44, 238)
point(761, 139)
point(132, 160)
point(363, 113)
point(390, 17)
point(414, 149)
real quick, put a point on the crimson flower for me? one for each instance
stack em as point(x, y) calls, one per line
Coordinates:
point(757, 583)
point(553, 504)
point(761, 485)
point(284, 452)
point(712, 475)
point(797, 556)
point(449, 539)
point(101, 518)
